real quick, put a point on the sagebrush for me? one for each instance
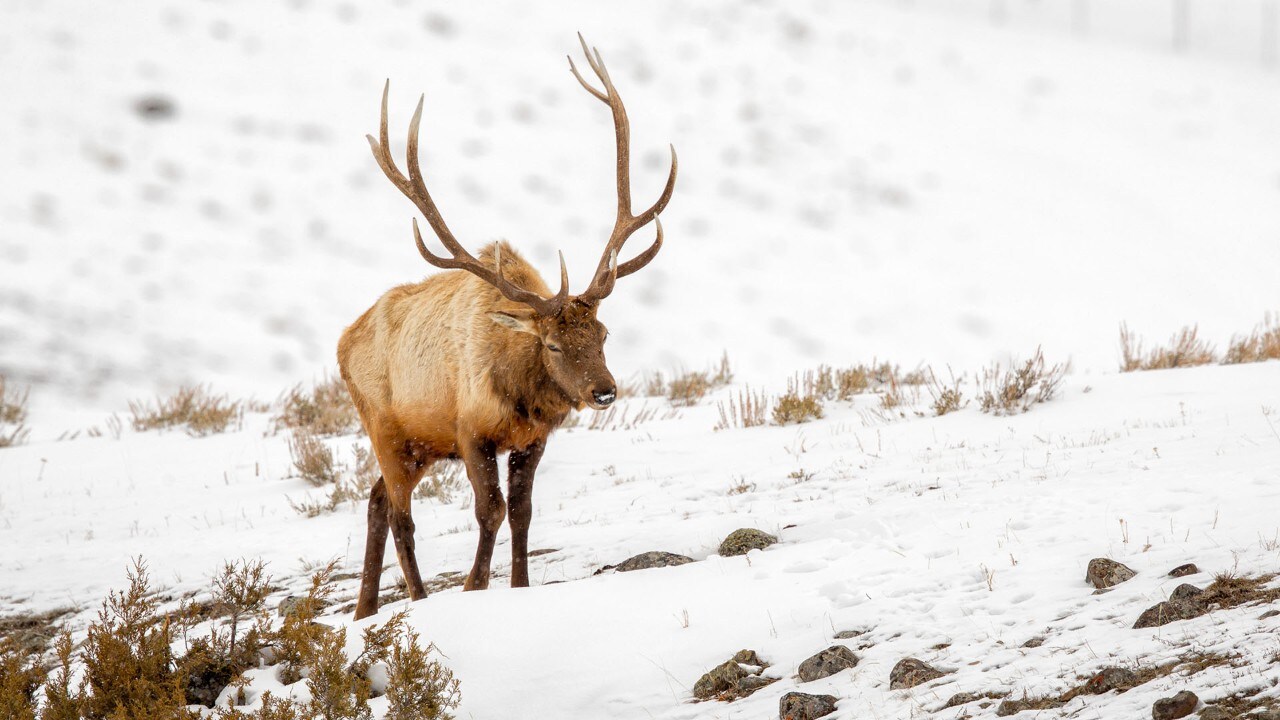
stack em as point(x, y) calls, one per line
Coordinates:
point(192, 407)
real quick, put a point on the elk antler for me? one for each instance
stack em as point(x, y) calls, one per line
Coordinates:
point(415, 189)
point(626, 224)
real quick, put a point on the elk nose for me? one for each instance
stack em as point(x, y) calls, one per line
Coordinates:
point(605, 397)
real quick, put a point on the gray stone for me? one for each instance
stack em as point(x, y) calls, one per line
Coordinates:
point(910, 672)
point(1213, 712)
point(1034, 642)
point(826, 663)
point(1105, 573)
point(961, 699)
point(743, 540)
point(1172, 708)
point(850, 634)
point(749, 657)
point(655, 559)
point(1184, 603)
point(1111, 678)
point(752, 683)
point(722, 677)
point(802, 706)
point(1184, 570)
point(1269, 614)
point(1013, 707)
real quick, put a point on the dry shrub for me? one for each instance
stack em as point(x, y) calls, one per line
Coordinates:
point(192, 407)
point(746, 410)
point(442, 480)
point(946, 398)
point(418, 688)
point(312, 459)
point(129, 668)
point(325, 410)
point(13, 414)
point(688, 388)
point(20, 677)
point(1185, 349)
point(1014, 391)
point(796, 406)
point(214, 661)
point(1262, 344)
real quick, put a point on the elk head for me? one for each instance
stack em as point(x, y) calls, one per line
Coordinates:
point(571, 338)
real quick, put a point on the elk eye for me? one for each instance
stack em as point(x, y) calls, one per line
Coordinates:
point(553, 347)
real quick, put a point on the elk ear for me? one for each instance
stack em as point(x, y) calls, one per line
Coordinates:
point(518, 320)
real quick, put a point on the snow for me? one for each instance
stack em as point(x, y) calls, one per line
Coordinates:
point(858, 180)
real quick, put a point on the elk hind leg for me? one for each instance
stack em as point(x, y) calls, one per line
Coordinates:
point(374, 548)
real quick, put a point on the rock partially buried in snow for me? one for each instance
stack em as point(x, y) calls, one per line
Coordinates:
point(655, 559)
point(1184, 570)
point(722, 678)
point(1214, 712)
point(827, 663)
point(743, 540)
point(1013, 707)
point(730, 680)
point(1111, 678)
point(1172, 708)
point(1184, 603)
point(802, 706)
point(1105, 573)
point(910, 672)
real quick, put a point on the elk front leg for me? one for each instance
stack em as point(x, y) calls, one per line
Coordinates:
point(482, 470)
point(521, 466)
point(374, 547)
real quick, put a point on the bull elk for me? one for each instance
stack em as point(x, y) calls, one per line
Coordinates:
point(480, 361)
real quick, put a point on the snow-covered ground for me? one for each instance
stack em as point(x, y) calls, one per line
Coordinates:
point(953, 539)
point(863, 179)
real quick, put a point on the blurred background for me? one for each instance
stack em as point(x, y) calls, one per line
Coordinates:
point(187, 194)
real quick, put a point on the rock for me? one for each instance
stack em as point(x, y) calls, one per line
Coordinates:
point(1184, 570)
point(850, 634)
point(744, 539)
point(1213, 712)
point(961, 699)
point(1184, 603)
point(826, 663)
point(1013, 707)
point(1104, 573)
point(802, 706)
point(730, 680)
point(1178, 706)
point(752, 683)
point(1269, 614)
point(1111, 678)
point(910, 672)
point(722, 677)
point(655, 559)
point(1034, 642)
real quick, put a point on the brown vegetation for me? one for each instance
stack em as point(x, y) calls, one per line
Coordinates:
point(1261, 344)
point(1185, 349)
point(1013, 391)
point(796, 405)
point(325, 410)
point(13, 414)
point(192, 407)
point(746, 409)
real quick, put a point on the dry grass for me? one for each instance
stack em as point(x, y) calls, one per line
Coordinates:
point(1185, 349)
point(1228, 590)
point(946, 398)
point(313, 461)
point(443, 480)
point(326, 409)
point(684, 389)
point(13, 414)
point(192, 407)
point(1261, 344)
point(746, 409)
point(796, 405)
point(1014, 391)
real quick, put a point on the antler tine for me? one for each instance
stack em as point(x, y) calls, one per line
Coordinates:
point(415, 188)
point(626, 223)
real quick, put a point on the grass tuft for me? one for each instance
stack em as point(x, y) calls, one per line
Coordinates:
point(192, 407)
point(1185, 349)
point(796, 405)
point(13, 414)
point(1261, 344)
point(1009, 392)
point(747, 409)
point(325, 410)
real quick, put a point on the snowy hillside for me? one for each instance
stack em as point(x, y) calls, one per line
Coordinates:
point(188, 197)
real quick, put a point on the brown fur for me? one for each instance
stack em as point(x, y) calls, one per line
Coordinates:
point(435, 376)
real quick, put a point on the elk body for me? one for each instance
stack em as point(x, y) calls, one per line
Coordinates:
point(479, 361)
